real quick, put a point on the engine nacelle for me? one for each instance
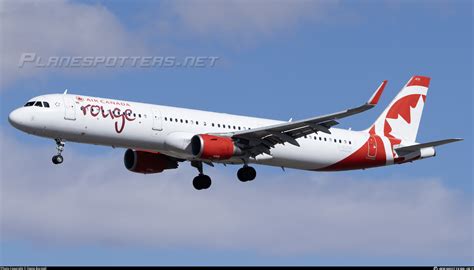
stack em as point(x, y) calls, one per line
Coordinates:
point(147, 162)
point(214, 147)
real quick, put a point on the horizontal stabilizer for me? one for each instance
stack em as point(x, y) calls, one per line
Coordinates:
point(416, 147)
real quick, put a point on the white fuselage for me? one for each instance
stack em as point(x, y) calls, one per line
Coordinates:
point(169, 130)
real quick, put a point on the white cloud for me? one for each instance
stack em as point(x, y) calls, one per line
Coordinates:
point(95, 201)
point(65, 28)
point(241, 21)
point(57, 28)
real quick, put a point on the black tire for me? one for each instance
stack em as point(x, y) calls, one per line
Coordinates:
point(246, 173)
point(252, 173)
point(206, 182)
point(57, 159)
point(197, 182)
point(241, 175)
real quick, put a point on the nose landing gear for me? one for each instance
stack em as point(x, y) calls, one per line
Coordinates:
point(58, 159)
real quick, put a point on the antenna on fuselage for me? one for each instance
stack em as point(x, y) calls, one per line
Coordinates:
point(65, 92)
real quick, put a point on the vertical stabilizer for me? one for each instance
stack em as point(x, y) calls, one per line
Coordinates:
point(401, 119)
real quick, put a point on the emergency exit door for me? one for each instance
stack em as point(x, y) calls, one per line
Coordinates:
point(157, 120)
point(69, 108)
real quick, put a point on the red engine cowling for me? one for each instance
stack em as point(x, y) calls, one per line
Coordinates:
point(147, 162)
point(213, 147)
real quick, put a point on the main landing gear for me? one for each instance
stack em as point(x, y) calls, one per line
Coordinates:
point(246, 173)
point(58, 159)
point(201, 181)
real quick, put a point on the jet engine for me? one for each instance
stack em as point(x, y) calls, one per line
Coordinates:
point(147, 162)
point(214, 147)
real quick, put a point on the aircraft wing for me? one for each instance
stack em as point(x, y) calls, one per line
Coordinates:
point(261, 140)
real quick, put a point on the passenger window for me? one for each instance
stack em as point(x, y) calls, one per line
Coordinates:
point(166, 119)
point(239, 128)
point(176, 120)
point(218, 125)
point(212, 124)
point(181, 120)
point(350, 142)
point(325, 139)
point(340, 141)
point(38, 104)
point(186, 121)
point(197, 123)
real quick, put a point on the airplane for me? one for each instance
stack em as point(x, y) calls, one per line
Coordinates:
point(158, 138)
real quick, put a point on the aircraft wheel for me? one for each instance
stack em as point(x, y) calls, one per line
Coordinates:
point(246, 173)
point(202, 181)
point(57, 159)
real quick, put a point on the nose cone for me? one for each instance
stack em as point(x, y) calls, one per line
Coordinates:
point(17, 119)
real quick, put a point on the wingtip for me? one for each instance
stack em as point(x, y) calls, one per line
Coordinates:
point(374, 99)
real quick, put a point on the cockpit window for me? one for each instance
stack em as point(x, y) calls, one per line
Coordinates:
point(37, 104)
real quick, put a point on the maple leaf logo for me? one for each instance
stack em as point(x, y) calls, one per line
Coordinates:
point(404, 117)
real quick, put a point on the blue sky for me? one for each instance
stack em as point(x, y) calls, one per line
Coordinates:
point(277, 60)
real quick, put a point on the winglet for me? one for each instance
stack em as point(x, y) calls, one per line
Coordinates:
point(374, 99)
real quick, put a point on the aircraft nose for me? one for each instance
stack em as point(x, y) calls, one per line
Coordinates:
point(16, 118)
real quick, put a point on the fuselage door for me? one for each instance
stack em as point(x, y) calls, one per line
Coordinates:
point(69, 108)
point(372, 150)
point(157, 121)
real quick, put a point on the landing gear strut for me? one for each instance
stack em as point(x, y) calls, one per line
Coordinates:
point(58, 158)
point(246, 173)
point(201, 181)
